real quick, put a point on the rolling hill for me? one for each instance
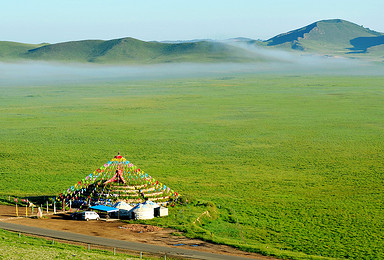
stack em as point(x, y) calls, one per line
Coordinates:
point(334, 37)
point(129, 51)
point(330, 37)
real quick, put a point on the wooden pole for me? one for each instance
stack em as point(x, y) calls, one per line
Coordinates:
point(40, 212)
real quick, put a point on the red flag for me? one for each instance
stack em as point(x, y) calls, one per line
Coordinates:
point(15, 200)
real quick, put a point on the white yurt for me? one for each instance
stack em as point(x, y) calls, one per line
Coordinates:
point(143, 211)
point(125, 210)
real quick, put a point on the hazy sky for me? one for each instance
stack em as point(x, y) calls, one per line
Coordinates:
point(56, 21)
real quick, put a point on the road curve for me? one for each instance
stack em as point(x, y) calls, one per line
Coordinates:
point(181, 252)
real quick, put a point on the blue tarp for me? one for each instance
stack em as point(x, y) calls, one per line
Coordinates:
point(104, 208)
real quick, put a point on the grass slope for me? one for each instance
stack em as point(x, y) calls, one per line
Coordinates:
point(292, 164)
point(10, 51)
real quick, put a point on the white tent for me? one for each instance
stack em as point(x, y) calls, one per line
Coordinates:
point(125, 210)
point(143, 211)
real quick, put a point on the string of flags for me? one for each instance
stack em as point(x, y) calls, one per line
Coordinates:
point(129, 174)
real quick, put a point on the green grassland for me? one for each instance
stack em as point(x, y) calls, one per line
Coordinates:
point(287, 165)
point(13, 246)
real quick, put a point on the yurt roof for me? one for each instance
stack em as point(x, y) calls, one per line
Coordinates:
point(141, 206)
point(151, 204)
point(122, 205)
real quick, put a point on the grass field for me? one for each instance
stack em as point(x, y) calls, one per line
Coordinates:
point(293, 165)
point(14, 247)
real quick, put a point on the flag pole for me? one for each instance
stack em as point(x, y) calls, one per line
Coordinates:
point(17, 212)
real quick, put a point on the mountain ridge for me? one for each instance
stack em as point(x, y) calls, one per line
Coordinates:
point(333, 37)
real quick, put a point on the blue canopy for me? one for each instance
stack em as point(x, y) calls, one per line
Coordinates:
point(104, 208)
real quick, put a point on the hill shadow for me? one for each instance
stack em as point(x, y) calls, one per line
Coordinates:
point(291, 36)
point(361, 44)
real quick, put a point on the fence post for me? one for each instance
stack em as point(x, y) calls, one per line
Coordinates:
point(114, 251)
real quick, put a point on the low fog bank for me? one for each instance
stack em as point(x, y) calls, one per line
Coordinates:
point(43, 73)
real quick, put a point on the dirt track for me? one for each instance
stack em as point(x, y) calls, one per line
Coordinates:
point(121, 231)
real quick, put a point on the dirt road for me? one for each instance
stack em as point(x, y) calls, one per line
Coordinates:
point(149, 238)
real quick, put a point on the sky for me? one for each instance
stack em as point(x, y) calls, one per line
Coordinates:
point(170, 20)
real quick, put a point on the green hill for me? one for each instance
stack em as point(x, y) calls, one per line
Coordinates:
point(332, 37)
point(10, 51)
point(77, 51)
point(128, 51)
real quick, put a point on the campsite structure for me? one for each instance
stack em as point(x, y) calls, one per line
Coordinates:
point(118, 182)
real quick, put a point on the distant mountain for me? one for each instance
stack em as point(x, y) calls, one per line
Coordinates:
point(328, 37)
point(129, 51)
point(332, 37)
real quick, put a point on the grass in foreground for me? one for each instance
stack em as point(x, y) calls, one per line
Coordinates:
point(293, 165)
point(24, 247)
